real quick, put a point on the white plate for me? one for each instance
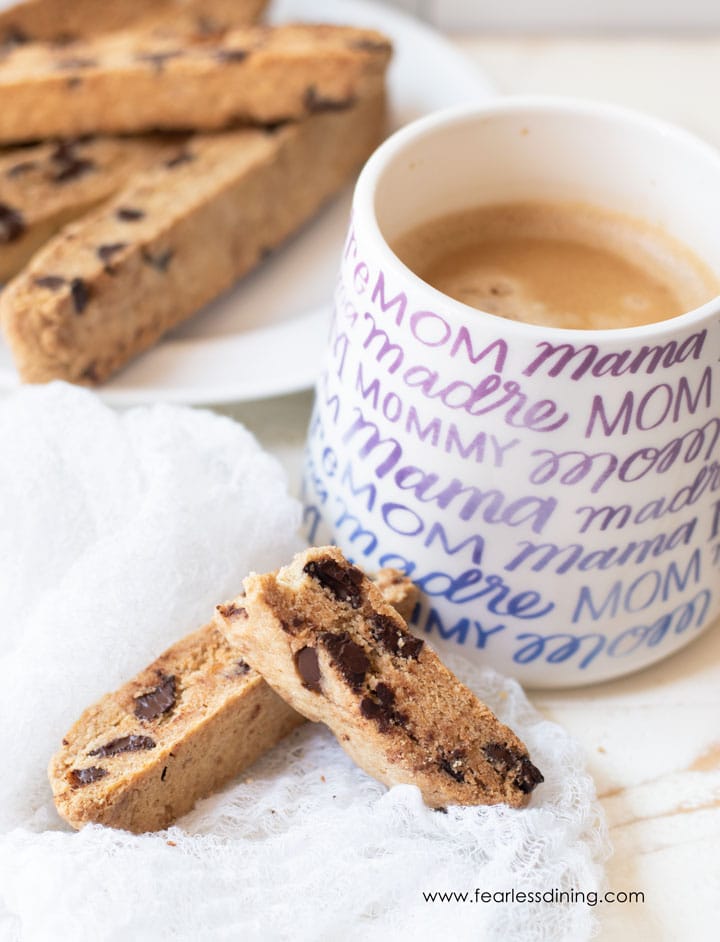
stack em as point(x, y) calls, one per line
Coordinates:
point(266, 336)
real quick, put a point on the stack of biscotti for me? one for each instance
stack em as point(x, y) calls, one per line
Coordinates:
point(155, 153)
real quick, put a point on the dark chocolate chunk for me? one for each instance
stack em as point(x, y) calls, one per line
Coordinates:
point(231, 610)
point(380, 707)
point(19, 169)
point(106, 252)
point(350, 658)
point(66, 164)
point(507, 761)
point(452, 764)
point(231, 55)
point(158, 59)
point(12, 224)
point(15, 36)
point(151, 705)
point(129, 214)
point(241, 667)
point(177, 160)
point(528, 776)
point(70, 169)
point(158, 260)
point(90, 373)
point(314, 102)
point(131, 743)
point(308, 666)
point(79, 777)
point(395, 639)
point(50, 282)
point(75, 62)
point(370, 45)
point(343, 582)
point(80, 294)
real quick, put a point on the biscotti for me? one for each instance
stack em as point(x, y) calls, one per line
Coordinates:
point(64, 21)
point(183, 727)
point(324, 638)
point(130, 82)
point(112, 283)
point(45, 186)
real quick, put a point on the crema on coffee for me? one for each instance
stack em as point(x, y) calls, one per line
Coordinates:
point(559, 264)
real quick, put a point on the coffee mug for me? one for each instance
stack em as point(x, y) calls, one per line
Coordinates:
point(555, 493)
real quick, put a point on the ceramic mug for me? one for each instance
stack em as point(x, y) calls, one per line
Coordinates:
point(554, 492)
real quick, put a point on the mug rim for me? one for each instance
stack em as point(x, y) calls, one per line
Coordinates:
point(370, 175)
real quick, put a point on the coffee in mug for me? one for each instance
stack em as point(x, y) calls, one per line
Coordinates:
point(557, 263)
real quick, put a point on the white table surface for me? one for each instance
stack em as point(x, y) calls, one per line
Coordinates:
point(652, 739)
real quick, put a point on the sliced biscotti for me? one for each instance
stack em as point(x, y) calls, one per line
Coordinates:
point(324, 638)
point(45, 186)
point(112, 283)
point(142, 756)
point(63, 21)
point(183, 727)
point(133, 81)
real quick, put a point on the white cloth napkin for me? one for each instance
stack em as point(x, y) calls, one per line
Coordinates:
point(118, 533)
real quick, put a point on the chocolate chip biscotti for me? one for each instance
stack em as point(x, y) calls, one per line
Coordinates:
point(183, 727)
point(63, 21)
point(45, 186)
point(132, 81)
point(112, 283)
point(324, 638)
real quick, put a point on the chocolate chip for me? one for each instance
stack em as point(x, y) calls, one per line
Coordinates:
point(131, 743)
point(380, 707)
point(231, 610)
point(75, 62)
point(106, 252)
point(129, 214)
point(241, 667)
point(80, 294)
point(91, 373)
point(315, 103)
point(158, 59)
point(343, 582)
point(528, 776)
point(18, 170)
point(50, 282)
point(350, 658)
point(395, 639)
point(71, 169)
point(505, 761)
point(370, 45)
point(231, 55)
point(148, 706)
point(164, 773)
point(15, 36)
point(79, 777)
point(12, 224)
point(452, 764)
point(158, 260)
point(177, 160)
point(308, 667)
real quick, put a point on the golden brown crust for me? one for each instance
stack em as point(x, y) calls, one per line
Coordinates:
point(174, 239)
point(324, 638)
point(132, 82)
point(63, 20)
